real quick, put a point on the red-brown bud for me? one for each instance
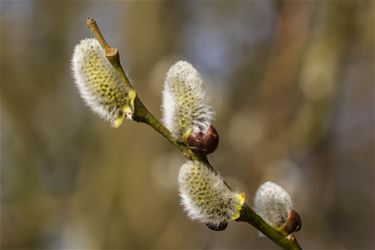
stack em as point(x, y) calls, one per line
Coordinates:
point(204, 143)
point(294, 222)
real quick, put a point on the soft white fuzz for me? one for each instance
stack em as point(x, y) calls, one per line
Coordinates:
point(99, 84)
point(185, 105)
point(205, 196)
point(272, 203)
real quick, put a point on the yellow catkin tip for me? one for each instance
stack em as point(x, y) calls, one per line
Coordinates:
point(241, 201)
point(116, 123)
point(241, 197)
point(132, 95)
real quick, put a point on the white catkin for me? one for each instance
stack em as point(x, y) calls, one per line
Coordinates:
point(272, 203)
point(204, 195)
point(99, 84)
point(185, 104)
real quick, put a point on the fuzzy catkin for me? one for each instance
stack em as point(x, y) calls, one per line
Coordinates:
point(205, 196)
point(273, 204)
point(99, 83)
point(185, 107)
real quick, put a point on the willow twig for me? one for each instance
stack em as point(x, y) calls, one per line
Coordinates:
point(142, 114)
point(286, 242)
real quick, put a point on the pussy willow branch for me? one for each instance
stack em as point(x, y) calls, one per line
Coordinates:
point(142, 114)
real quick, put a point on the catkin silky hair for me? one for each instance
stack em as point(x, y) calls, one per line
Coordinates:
point(205, 196)
point(99, 83)
point(185, 106)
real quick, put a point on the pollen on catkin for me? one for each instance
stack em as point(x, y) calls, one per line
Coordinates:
point(205, 196)
point(273, 204)
point(99, 83)
point(185, 106)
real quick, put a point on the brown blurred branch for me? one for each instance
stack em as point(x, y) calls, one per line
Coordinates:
point(142, 114)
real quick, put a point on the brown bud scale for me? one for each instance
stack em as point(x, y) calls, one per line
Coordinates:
point(204, 143)
point(294, 222)
point(222, 226)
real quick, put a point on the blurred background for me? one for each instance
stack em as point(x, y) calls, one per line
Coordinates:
point(292, 84)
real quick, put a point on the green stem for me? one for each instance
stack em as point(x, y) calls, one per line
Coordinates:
point(142, 114)
point(286, 242)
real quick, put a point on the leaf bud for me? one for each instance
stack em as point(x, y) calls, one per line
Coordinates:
point(204, 143)
point(293, 223)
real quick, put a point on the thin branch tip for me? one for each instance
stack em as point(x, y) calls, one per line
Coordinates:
point(94, 28)
point(90, 21)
